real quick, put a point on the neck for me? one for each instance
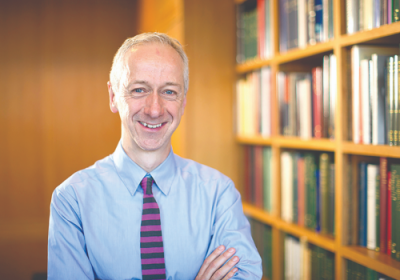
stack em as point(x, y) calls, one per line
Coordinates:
point(148, 160)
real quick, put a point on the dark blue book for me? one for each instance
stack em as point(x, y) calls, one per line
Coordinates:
point(318, 21)
point(318, 214)
point(283, 25)
point(363, 204)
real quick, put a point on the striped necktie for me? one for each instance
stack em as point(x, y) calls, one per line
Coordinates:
point(151, 243)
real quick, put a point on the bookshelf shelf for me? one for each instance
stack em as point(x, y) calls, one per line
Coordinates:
point(375, 260)
point(254, 140)
point(311, 50)
point(386, 34)
point(320, 240)
point(298, 143)
point(371, 150)
point(290, 142)
point(304, 60)
point(252, 65)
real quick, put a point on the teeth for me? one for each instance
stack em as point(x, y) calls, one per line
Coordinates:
point(150, 125)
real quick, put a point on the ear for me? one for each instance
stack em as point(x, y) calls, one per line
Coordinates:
point(112, 98)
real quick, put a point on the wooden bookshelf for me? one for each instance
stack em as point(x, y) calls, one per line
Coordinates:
point(341, 146)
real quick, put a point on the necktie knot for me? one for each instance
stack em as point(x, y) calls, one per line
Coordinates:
point(146, 184)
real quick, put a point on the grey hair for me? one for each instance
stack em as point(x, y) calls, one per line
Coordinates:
point(141, 39)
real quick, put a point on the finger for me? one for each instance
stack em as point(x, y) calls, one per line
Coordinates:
point(223, 271)
point(209, 259)
point(217, 263)
point(231, 273)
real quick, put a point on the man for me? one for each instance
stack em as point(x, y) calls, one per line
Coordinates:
point(143, 212)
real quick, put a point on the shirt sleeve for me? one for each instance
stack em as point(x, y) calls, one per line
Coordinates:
point(232, 229)
point(67, 254)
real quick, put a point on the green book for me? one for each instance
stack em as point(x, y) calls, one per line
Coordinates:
point(395, 169)
point(311, 191)
point(324, 191)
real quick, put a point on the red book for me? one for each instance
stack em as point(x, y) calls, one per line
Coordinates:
point(258, 176)
point(389, 214)
point(383, 172)
point(300, 191)
point(261, 27)
point(317, 101)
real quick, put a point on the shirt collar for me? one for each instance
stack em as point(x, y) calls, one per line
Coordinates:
point(132, 174)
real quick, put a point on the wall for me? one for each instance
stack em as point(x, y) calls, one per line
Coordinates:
point(55, 57)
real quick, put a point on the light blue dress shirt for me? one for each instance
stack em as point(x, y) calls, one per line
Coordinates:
point(95, 218)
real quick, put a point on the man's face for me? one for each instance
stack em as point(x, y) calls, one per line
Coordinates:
point(151, 100)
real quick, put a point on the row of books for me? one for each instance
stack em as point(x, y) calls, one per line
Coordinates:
point(375, 95)
point(355, 271)
point(303, 22)
point(308, 190)
point(375, 207)
point(253, 101)
point(307, 101)
point(306, 261)
point(254, 30)
point(368, 14)
point(258, 177)
point(262, 236)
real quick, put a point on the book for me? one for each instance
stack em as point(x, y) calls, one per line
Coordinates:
point(363, 205)
point(324, 192)
point(310, 191)
point(395, 192)
point(317, 101)
point(379, 100)
point(372, 173)
point(383, 190)
point(267, 179)
point(286, 186)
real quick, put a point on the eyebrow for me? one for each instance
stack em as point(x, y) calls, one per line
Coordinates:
point(146, 83)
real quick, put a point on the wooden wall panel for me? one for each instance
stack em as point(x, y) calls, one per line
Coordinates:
point(210, 44)
point(55, 58)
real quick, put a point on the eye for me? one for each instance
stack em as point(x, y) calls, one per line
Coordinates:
point(138, 90)
point(169, 92)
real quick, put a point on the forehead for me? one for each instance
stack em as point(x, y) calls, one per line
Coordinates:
point(153, 55)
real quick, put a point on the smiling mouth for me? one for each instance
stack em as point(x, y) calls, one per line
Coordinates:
point(151, 125)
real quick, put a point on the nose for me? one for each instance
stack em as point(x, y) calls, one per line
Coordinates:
point(154, 105)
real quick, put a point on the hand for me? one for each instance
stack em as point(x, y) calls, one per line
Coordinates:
point(212, 266)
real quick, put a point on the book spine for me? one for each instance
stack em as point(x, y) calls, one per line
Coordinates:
point(310, 184)
point(266, 179)
point(389, 215)
point(331, 215)
point(311, 22)
point(317, 101)
point(363, 204)
point(286, 189)
point(372, 171)
point(324, 192)
point(396, 14)
point(252, 176)
point(395, 211)
point(301, 189)
point(396, 135)
point(318, 20)
point(318, 201)
point(295, 157)
point(325, 96)
point(258, 168)
point(332, 95)
point(391, 100)
point(377, 212)
point(283, 23)
point(383, 189)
